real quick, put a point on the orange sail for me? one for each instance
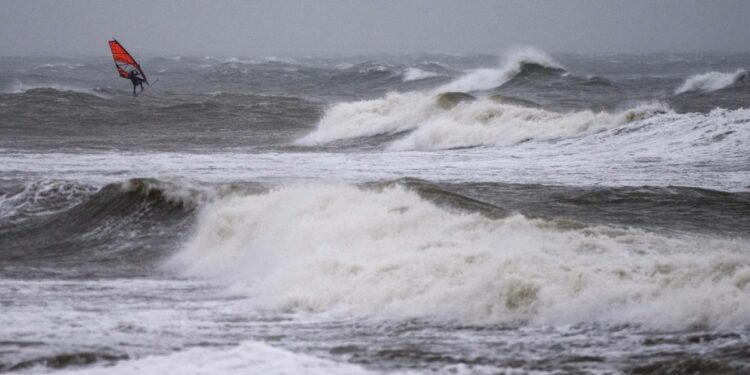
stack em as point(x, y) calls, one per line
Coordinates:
point(124, 62)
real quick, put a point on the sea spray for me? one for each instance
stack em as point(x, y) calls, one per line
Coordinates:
point(339, 249)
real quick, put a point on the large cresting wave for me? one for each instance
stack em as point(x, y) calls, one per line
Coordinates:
point(339, 249)
point(431, 123)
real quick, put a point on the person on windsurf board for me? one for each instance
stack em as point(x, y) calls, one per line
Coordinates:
point(137, 81)
point(126, 65)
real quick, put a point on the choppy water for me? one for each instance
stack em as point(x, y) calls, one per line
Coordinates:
point(376, 214)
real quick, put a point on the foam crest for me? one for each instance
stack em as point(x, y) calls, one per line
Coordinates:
point(481, 122)
point(337, 249)
point(512, 63)
point(711, 81)
point(184, 192)
point(178, 192)
point(394, 113)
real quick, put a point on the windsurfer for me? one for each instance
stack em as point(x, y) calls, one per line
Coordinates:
point(137, 81)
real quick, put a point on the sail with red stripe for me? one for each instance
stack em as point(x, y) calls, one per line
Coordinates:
point(124, 61)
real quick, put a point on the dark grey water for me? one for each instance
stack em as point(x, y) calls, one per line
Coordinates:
point(565, 214)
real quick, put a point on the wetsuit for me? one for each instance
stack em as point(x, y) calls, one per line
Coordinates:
point(137, 81)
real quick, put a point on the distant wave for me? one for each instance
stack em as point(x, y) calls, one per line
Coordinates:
point(711, 81)
point(415, 74)
point(485, 122)
point(367, 67)
point(419, 121)
point(480, 122)
point(21, 88)
point(512, 63)
point(258, 60)
point(387, 252)
point(57, 65)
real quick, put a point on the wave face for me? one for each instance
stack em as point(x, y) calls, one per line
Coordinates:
point(712, 81)
point(85, 230)
point(345, 250)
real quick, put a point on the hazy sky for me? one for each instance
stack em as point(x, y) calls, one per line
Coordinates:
point(234, 28)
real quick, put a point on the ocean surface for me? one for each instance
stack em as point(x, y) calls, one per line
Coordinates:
point(426, 213)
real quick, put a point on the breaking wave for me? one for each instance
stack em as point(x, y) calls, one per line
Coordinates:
point(485, 122)
point(448, 117)
point(712, 81)
point(387, 252)
point(513, 62)
point(473, 123)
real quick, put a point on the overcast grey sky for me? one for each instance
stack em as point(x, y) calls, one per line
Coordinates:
point(234, 28)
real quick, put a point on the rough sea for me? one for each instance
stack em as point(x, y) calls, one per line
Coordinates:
point(425, 213)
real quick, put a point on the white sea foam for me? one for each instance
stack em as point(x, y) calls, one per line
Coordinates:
point(43, 197)
point(485, 122)
point(415, 74)
point(340, 250)
point(482, 122)
point(711, 81)
point(511, 64)
point(393, 113)
point(246, 358)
